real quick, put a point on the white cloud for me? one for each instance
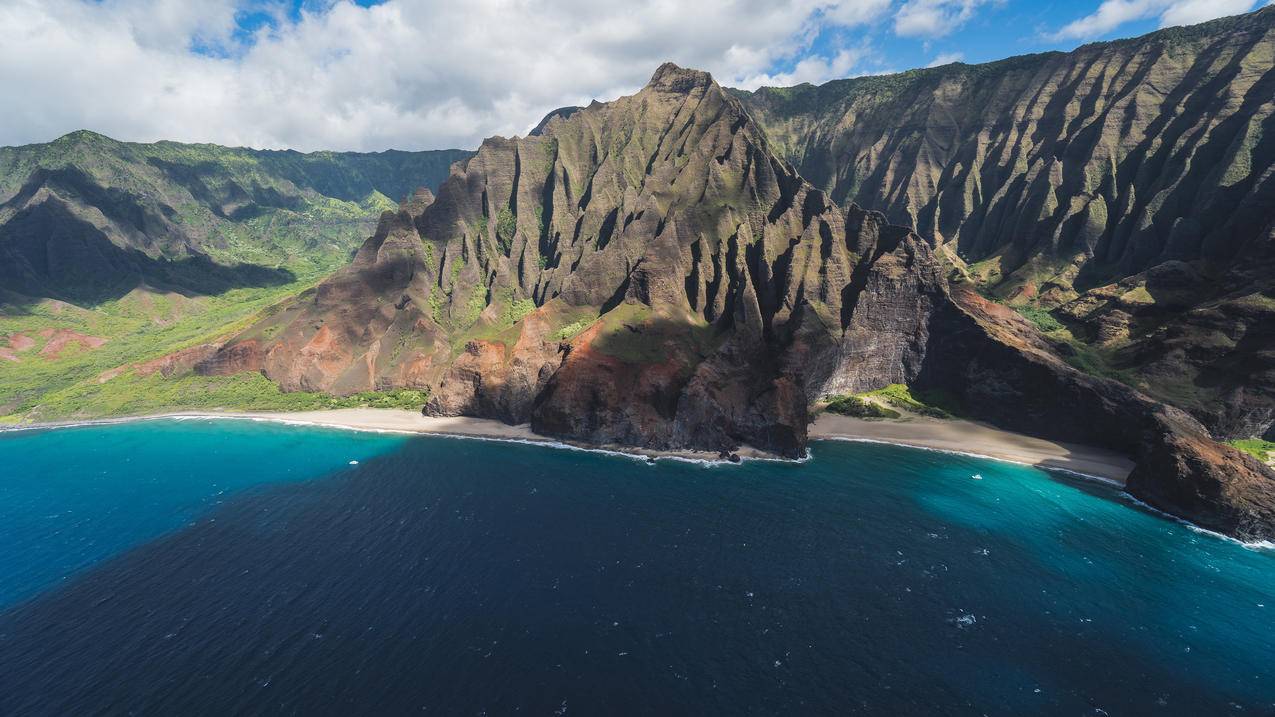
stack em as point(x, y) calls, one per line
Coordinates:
point(1111, 14)
point(857, 12)
point(934, 18)
point(946, 58)
point(813, 69)
point(405, 73)
point(1188, 12)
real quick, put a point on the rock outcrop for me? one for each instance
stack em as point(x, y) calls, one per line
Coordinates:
point(1006, 374)
point(650, 272)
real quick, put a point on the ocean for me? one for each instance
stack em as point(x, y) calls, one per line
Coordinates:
point(235, 567)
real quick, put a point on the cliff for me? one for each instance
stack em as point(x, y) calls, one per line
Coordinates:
point(1127, 186)
point(651, 272)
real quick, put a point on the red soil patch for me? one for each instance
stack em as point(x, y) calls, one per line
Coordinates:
point(21, 342)
point(61, 338)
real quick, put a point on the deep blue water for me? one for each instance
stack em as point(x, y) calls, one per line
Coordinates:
point(214, 567)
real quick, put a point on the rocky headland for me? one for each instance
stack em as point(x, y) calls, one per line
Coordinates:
point(652, 272)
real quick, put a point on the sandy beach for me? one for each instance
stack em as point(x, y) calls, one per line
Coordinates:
point(404, 421)
point(977, 439)
point(917, 431)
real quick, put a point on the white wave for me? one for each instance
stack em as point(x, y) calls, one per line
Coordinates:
point(1250, 545)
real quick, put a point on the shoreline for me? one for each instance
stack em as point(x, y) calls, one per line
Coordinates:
point(950, 435)
point(405, 422)
point(979, 440)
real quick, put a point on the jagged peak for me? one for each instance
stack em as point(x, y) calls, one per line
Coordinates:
point(416, 202)
point(672, 78)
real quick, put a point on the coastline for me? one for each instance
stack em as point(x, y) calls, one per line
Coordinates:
point(977, 439)
point(950, 435)
point(955, 436)
point(394, 420)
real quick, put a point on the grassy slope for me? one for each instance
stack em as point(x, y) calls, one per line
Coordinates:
point(1263, 451)
point(139, 327)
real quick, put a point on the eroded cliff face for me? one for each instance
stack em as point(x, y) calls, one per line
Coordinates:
point(1142, 169)
point(649, 272)
point(643, 272)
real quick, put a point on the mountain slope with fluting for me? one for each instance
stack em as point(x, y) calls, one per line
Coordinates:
point(650, 272)
point(1126, 187)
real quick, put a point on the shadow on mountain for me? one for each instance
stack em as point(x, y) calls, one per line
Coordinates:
point(208, 182)
point(48, 252)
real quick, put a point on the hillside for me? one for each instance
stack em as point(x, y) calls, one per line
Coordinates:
point(1123, 195)
point(86, 218)
point(114, 253)
point(650, 272)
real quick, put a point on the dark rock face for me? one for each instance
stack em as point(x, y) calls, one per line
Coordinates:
point(1066, 180)
point(648, 272)
point(1005, 374)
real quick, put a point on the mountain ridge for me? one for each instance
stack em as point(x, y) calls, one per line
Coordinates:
point(199, 218)
point(1123, 187)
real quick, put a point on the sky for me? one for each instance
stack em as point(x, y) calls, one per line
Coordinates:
point(421, 74)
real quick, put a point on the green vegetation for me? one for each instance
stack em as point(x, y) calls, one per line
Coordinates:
point(300, 212)
point(550, 150)
point(1260, 449)
point(570, 330)
point(212, 173)
point(506, 226)
point(1043, 320)
point(1095, 362)
point(935, 404)
point(436, 305)
point(857, 407)
point(137, 327)
point(82, 382)
point(516, 310)
point(477, 302)
point(505, 326)
point(303, 212)
point(1137, 296)
point(131, 394)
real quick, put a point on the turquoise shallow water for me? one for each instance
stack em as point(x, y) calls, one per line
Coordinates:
point(207, 567)
point(71, 497)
